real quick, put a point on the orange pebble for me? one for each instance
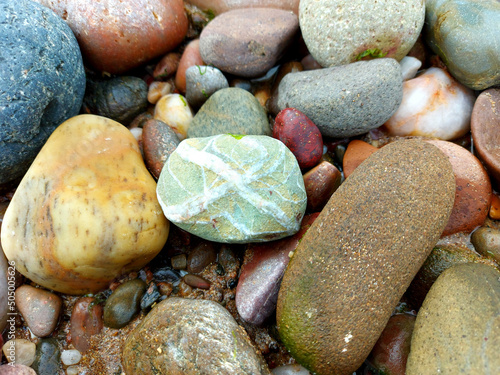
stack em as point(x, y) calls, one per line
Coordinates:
point(495, 207)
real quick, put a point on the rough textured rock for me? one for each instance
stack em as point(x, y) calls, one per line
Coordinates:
point(190, 337)
point(391, 210)
point(464, 33)
point(116, 35)
point(339, 32)
point(86, 211)
point(457, 329)
point(485, 129)
point(232, 110)
point(233, 189)
point(42, 82)
point(247, 42)
point(202, 82)
point(347, 100)
point(221, 6)
point(39, 308)
point(473, 192)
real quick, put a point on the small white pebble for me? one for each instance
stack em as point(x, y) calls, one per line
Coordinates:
point(74, 370)
point(409, 67)
point(71, 357)
point(137, 133)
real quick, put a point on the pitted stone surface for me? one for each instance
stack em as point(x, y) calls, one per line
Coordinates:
point(233, 189)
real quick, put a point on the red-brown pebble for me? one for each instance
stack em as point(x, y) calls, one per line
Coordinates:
point(196, 281)
point(86, 321)
point(357, 151)
point(167, 66)
point(300, 135)
point(320, 183)
point(159, 141)
point(190, 57)
point(473, 190)
point(495, 207)
point(485, 129)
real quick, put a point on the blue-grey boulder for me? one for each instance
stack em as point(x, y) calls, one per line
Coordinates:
point(42, 81)
point(466, 35)
point(346, 100)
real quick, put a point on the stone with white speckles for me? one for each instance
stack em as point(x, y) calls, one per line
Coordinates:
point(233, 189)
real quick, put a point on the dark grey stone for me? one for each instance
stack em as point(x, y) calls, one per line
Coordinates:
point(231, 110)
point(42, 81)
point(47, 357)
point(202, 82)
point(346, 100)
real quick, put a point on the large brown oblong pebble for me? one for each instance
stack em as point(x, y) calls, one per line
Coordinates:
point(86, 211)
point(359, 256)
point(485, 129)
point(118, 35)
point(473, 192)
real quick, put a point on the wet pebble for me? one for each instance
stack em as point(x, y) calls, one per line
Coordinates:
point(39, 308)
point(231, 110)
point(16, 369)
point(122, 306)
point(201, 256)
point(221, 6)
point(19, 351)
point(179, 262)
point(290, 370)
point(495, 207)
point(167, 66)
point(247, 42)
point(190, 57)
point(409, 67)
point(70, 357)
point(300, 135)
point(159, 141)
point(356, 152)
point(195, 281)
point(157, 90)
point(174, 110)
point(201, 82)
point(48, 357)
point(86, 321)
point(486, 241)
point(166, 274)
point(151, 295)
point(320, 183)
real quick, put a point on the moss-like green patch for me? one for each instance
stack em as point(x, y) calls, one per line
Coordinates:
point(236, 136)
point(371, 53)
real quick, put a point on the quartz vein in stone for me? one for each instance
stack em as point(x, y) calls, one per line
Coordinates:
point(233, 190)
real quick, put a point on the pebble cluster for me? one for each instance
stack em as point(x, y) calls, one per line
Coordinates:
point(249, 187)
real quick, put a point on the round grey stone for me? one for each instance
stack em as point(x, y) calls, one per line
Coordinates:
point(231, 110)
point(233, 189)
point(339, 32)
point(42, 81)
point(347, 100)
point(466, 35)
point(202, 82)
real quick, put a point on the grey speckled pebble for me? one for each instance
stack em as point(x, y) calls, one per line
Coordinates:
point(347, 100)
point(232, 110)
point(42, 81)
point(202, 82)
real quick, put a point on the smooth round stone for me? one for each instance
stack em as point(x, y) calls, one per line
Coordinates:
point(42, 82)
point(347, 100)
point(167, 66)
point(195, 281)
point(232, 110)
point(39, 308)
point(23, 352)
point(473, 191)
point(221, 6)
point(320, 183)
point(16, 369)
point(457, 328)
point(394, 207)
point(247, 42)
point(434, 105)
point(174, 111)
point(339, 32)
point(48, 357)
point(157, 90)
point(485, 129)
point(495, 207)
point(357, 152)
point(86, 211)
point(409, 67)
point(70, 357)
point(124, 303)
point(486, 242)
point(233, 189)
point(86, 321)
point(465, 34)
point(190, 57)
point(116, 36)
point(201, 256)
point(295, 369)
point(159, 141)
point(390, 353)
point(164, 341)
point(201, 82)
point(261, 274)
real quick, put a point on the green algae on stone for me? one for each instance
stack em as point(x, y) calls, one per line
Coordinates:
point(233, 189)
point(357, 259)
point(457, 330)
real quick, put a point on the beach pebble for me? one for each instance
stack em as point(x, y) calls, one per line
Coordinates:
point(201, 82)
point(356, 153)
point(221, 6)
point(86, 321)
point(48, 357)
point(122, 306)
point(159, 141)
point(19, 351)
point(409, 67)
point(174, 110)
point(70, 357)
point(320, 183)
point(16, 369)
point(190, 57)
